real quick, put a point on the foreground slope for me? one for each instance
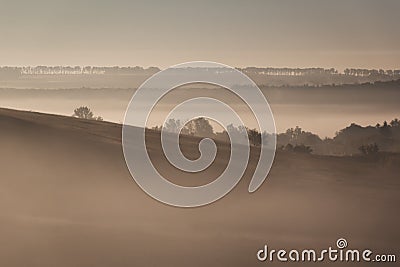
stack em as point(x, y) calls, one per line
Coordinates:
point(67, 199)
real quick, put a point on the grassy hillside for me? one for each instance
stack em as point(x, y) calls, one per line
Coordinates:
point(67, 199)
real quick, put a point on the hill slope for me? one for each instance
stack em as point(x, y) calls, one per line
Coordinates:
point(67, 199)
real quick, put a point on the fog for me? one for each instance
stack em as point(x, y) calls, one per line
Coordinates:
point(322, 110)
point(69, 200)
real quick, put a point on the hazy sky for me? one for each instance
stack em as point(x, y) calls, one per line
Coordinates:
point(348, 33)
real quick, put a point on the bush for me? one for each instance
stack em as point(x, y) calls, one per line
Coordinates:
point(298, 148)
point(368, 150)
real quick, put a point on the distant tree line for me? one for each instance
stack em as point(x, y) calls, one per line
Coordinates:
point(269, 77)
point(37, 70)
point(74, 70)
point(318, 71)
point(202, 127)
point(371, 72)
point(351, 140)
point(288, 71)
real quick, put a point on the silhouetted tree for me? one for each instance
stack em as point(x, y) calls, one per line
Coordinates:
point(172, 125)
point(199, 127)
point(254, 137)
point(202, 127)
point(85, 113)
point(395, 123)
